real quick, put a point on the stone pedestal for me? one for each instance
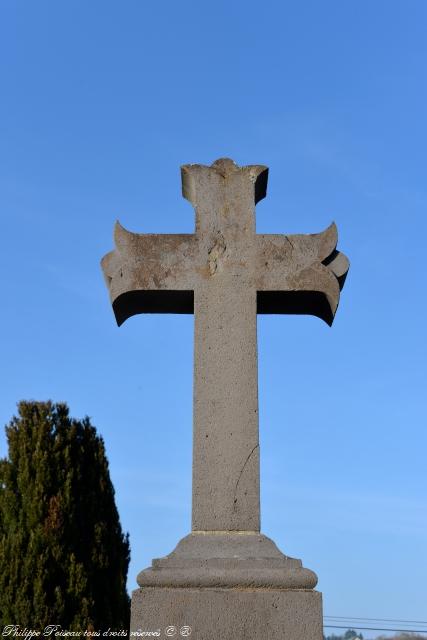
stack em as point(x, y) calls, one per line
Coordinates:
point(227, 614)
point(227, 585)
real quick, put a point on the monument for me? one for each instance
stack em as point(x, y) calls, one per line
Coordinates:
point(226, 580)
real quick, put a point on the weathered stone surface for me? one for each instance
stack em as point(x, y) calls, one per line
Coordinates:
point(229, 614)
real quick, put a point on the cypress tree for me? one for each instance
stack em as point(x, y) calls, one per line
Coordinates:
point(63, 555)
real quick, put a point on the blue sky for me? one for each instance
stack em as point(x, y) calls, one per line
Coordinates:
point(101, 102)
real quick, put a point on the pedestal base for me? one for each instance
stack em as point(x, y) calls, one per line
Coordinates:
point(226, 614)
point(227, 559)
point(224, 585)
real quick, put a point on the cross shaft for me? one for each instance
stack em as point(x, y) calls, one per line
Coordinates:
point(225, 273)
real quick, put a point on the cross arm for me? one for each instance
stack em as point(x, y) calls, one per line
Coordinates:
point(300, 273)
point(150, 273)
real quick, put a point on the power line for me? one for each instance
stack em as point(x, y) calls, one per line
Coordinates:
point(355, 621)
point(335, 626)
point(377, 619)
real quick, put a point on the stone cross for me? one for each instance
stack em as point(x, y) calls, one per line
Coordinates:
point(225, 273)
point(226, 579)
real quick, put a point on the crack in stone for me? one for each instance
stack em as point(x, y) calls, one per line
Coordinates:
point(241, 472)
point(215, 253)
point(290, 242)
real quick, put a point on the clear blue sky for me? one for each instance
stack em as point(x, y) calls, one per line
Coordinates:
point(101, 102)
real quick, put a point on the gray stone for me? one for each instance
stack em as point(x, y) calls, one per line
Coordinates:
point(227, 559)
point(228, 614)
point(225, 273)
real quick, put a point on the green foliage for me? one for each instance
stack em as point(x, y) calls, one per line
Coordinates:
point(63, 555)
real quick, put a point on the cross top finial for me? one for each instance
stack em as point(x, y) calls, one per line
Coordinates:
point(194, 175)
